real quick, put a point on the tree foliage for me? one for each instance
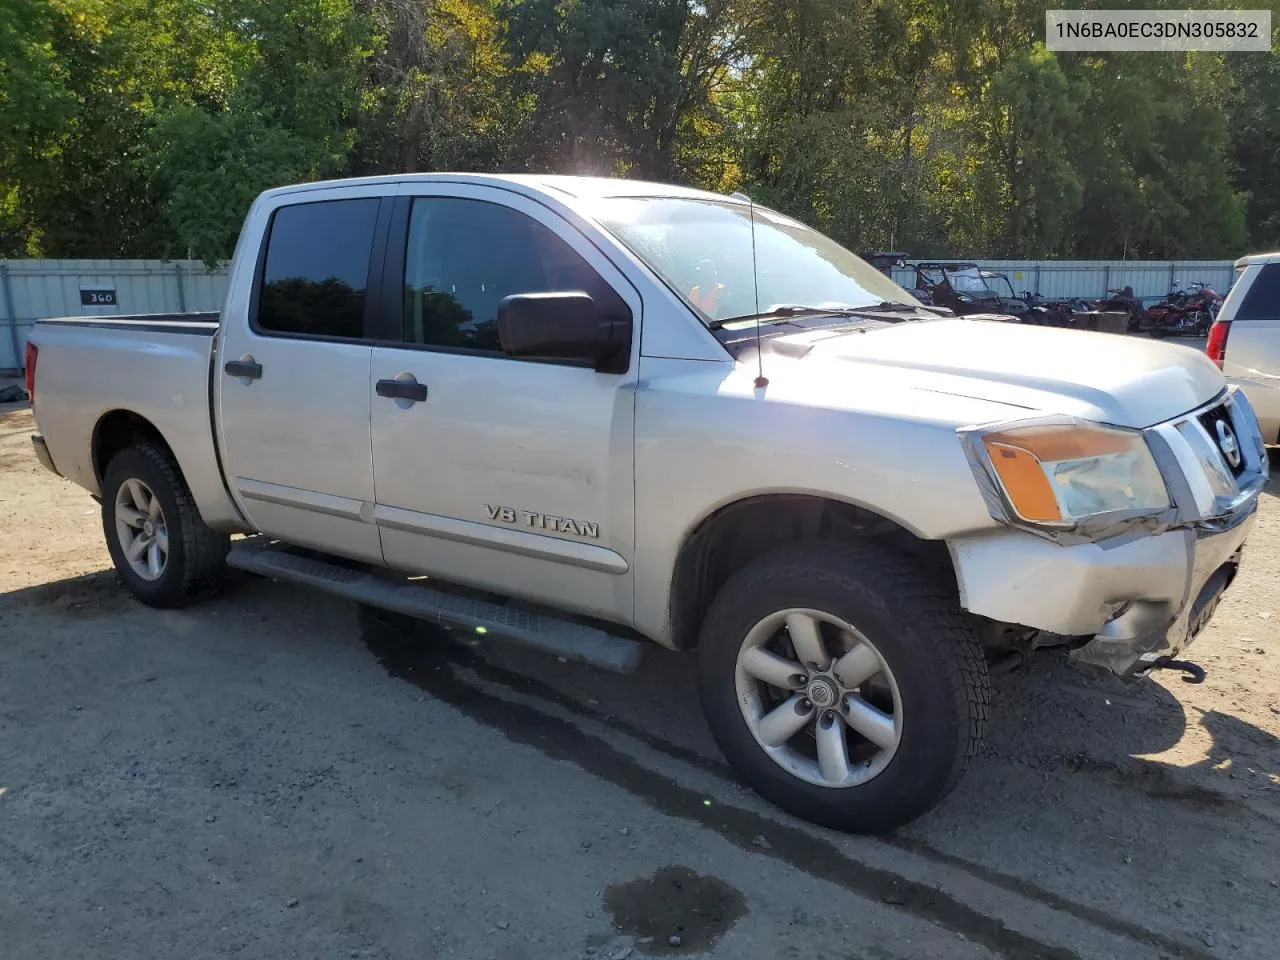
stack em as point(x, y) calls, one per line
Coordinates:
point(146, 127)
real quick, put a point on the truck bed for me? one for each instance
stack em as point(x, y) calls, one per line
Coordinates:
point(203, 324)
point(155, 367)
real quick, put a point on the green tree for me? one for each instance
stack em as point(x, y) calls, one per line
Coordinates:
point(1027, 120)
point(145, 127)
point(439, 90)
point(284, 109)
point(89, 77)
point(1254, 113)
point(616, 81)
point(1155, 160)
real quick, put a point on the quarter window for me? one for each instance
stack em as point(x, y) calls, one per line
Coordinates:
point(465, 256)
point(1263, 299)
point(317, 269)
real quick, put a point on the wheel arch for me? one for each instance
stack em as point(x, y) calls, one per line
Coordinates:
point(115, 431)
point(737, 533)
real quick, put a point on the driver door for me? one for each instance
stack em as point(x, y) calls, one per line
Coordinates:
point(509, 474)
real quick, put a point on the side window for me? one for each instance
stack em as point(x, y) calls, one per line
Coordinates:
point(1263, 300)
point(465, 256)
point(317, 268)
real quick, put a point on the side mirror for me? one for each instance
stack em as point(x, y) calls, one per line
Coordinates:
point(563, 325)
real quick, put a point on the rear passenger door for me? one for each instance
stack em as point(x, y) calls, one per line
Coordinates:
point(1252, 357)
point(510, 474)
point(293, 381)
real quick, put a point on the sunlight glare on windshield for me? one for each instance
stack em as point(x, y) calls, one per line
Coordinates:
point(702, 249)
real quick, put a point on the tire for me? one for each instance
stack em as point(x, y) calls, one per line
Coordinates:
point(194, 561)
point(933, 669)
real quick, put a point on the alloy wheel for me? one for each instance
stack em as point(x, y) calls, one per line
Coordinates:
point(819, 698)
point(141, 529)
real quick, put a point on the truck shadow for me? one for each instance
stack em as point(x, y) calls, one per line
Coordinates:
point(86, 597)
point(1053, 724)
point(1063, 788)
point(1064, 795)
point(1056, 718)
point(1050, 717)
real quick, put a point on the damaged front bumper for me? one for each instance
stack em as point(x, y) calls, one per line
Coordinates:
point(1143, 631)
point(1138, 596)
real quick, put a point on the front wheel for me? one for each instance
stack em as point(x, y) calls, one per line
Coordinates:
point(843, 685)
point(161, 548)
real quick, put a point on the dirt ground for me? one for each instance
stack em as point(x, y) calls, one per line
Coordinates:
point(269, 774)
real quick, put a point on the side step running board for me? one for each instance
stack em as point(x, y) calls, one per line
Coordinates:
point(564, 638)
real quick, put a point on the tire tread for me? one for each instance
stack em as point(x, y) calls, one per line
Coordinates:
point(897, 584)
point(204, 550)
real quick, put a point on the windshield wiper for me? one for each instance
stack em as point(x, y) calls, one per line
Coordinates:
point(888, 306)
point(785, 312)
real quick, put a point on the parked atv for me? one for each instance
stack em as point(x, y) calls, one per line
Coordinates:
point(966, 289)
point(1060, 312)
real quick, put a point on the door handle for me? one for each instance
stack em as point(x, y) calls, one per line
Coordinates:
point(244, 369)
point(410, 390)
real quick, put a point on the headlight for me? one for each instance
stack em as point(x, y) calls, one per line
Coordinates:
point(1060, 474)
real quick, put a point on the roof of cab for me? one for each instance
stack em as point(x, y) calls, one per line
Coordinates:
point(576, 187)
point(1273, 257)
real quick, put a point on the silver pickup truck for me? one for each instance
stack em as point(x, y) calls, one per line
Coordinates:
point(583, 414)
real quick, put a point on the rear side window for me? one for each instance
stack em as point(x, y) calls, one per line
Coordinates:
point(317, 269)
point(1263, 299)
point(465, 256)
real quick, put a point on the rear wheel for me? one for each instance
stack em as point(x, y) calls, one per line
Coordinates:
point(162, 550)
point(843, 685)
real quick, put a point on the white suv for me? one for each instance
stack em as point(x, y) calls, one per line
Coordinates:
point(1245, 339)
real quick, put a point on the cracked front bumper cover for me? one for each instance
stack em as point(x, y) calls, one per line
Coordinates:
point(1142, 633)
point(1139, 591)
point(1137, 600)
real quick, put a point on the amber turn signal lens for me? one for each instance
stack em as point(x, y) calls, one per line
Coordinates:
point(1019, 456)
point(1024, 481)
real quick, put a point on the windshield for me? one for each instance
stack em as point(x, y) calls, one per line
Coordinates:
point(1000, 285)
point(702, 248)
point(970, 281)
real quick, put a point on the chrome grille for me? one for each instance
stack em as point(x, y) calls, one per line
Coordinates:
point(1220, 430)
point(1212, 487)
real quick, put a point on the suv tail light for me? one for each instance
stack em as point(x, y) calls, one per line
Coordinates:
point(1216, 348)
point(29, 365)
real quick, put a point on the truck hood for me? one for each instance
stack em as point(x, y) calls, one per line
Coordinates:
point(1108, 378)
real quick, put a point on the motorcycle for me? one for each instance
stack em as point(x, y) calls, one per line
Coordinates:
point(1185, 313)
point(1208, 299)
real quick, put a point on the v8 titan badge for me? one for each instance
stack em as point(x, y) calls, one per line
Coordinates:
point(543, 521)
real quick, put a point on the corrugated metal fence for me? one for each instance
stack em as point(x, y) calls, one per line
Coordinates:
point(51, 288)
point(1151, 280)
point(30, 289)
